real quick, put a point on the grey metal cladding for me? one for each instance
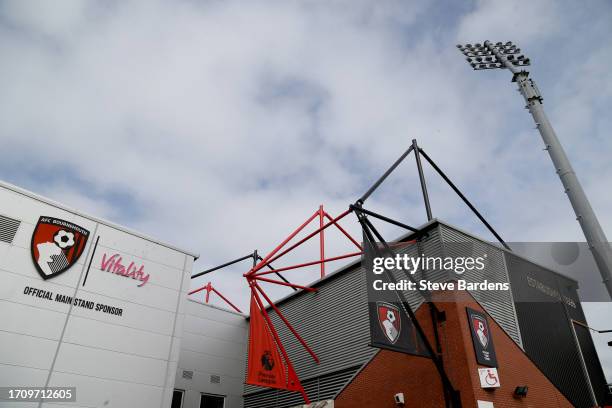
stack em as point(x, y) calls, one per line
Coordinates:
point(8, 229)
point(443, 241)
point(337, 329)
point(318, 389)
point(499, 304)
point(552, 342)
point(428, 245)
point(334, 323)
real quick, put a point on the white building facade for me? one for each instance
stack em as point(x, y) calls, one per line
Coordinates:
point(212, 360)
point(88, 304)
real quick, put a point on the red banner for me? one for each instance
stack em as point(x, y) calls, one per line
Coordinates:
point(265, 366)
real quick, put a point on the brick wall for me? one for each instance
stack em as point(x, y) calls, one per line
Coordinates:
point(389, 372)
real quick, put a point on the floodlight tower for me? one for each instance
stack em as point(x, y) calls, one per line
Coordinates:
point(499, 55)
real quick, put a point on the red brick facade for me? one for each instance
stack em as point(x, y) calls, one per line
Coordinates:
point(389, 372)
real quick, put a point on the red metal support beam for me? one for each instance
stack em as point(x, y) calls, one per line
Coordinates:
point(300, 242)
point(292, 285)
point(209, 288)
point(226, 300)
point(268, 259)
point(287, 268)
point(357, 244)
point(322, 240)
point(289, 326)
point(256, 274)
point(276, 336)
point(197, 290)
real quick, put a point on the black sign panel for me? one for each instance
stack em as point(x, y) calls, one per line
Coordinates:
point(392, 329)
point(390, 326)
point(481, 337)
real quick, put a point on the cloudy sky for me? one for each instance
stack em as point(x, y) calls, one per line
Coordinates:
point(220, 126)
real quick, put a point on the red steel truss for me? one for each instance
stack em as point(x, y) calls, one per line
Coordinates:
point(256, 274)
point(293, 382)
point(209, 288)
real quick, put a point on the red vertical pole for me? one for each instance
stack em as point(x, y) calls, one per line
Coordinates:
point(300, 242)
point(322, 240)
point(207, 292)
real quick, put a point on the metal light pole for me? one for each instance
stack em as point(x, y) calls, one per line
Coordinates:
point(498, 55)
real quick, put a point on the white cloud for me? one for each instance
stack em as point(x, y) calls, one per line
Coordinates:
point(46, 18)
point(224, 124)
point(512, 21)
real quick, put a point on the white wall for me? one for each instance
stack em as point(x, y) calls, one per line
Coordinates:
point(114, 361)
point(214, 343)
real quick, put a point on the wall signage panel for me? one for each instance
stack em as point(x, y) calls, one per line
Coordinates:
point(481, 337)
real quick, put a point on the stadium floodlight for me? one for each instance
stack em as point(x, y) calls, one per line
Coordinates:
point(508, 56)
point(492, 56)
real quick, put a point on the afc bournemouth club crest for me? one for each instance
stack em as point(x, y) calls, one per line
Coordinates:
point(56, 245)
point(479, 325)
point(389, 320)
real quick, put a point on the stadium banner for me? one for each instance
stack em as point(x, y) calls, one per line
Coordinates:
point(390, 325)
point(265, 366)
point(481, 337)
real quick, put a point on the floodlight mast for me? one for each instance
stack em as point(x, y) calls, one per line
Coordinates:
point(498, 55)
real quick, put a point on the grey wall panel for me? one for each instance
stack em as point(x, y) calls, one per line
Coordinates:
point(318, 389)
point(214, 344)
point(499, 304)
point(548, 335)
point(334, 322)
point(429, 245)
point(569, 290)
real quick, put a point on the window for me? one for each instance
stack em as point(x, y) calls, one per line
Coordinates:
point(212, 401)
point(177, 399)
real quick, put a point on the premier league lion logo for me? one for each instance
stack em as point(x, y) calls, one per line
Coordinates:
point(56, 245)
point(267, 361)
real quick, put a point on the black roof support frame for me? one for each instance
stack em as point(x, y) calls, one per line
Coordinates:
point(451, 395)
point(418, 151)
point(254, 256)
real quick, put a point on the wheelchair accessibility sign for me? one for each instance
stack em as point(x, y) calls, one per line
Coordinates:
point(488, 377)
